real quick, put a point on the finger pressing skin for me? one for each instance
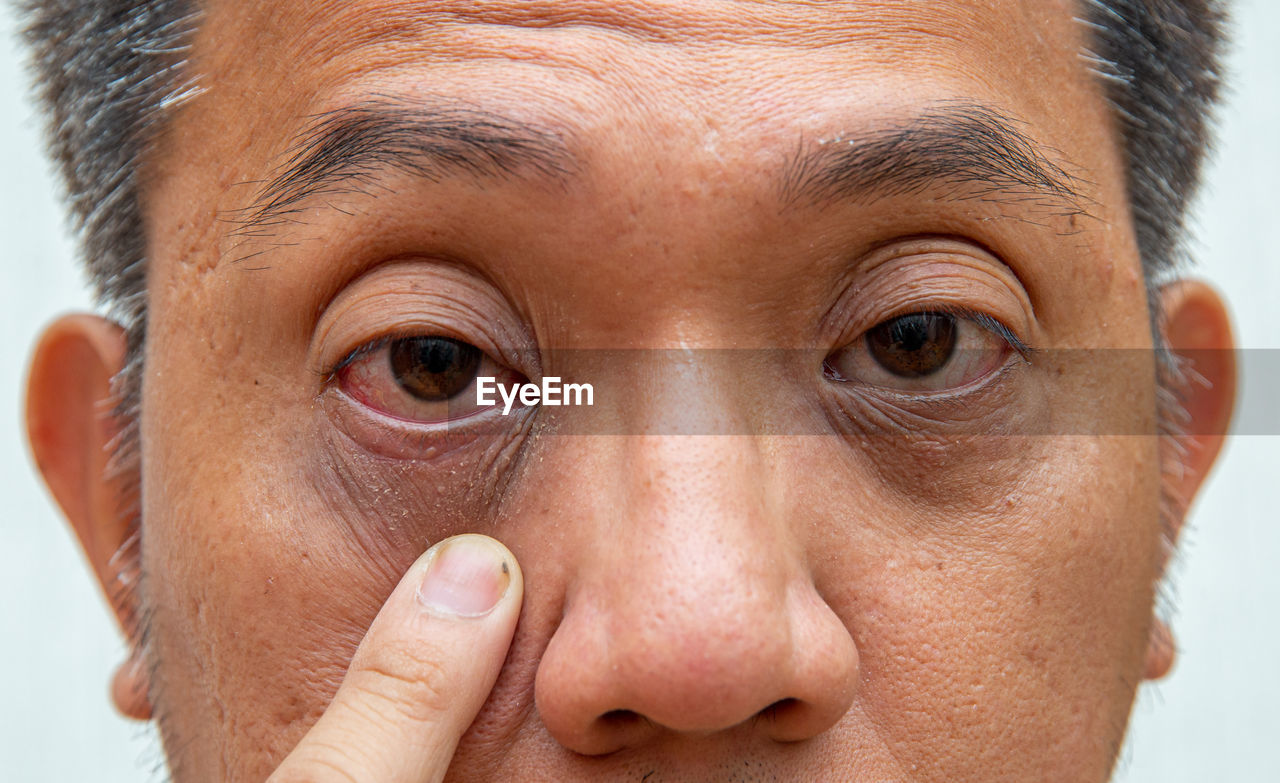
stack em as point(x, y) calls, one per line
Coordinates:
point(421, 673)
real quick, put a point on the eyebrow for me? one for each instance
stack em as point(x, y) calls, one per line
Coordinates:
point(346, 149)
point(955, 150)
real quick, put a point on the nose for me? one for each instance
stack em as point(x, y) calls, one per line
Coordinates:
point(693, 611)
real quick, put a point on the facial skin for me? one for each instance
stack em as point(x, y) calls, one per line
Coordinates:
point(886, 588)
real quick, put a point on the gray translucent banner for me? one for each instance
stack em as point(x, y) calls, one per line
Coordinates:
point(799, 392)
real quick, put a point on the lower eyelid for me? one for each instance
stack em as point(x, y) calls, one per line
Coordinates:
point(1002, 403)
point(383, 435)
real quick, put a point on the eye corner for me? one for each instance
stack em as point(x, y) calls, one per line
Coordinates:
point(355, 355)
point(830, 372)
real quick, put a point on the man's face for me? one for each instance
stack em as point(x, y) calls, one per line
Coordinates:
point(836, 552)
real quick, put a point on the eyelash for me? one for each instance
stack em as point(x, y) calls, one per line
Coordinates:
point(331, 373)
point(987, 322)
point(976, 316)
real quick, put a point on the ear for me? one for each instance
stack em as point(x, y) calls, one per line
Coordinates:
point(72, 430)
point(1197, 330)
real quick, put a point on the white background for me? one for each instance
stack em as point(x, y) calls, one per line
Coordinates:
point(1214, 719)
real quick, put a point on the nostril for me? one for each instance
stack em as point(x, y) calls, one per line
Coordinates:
point(625, 719)
point(620, 719)
point(619, 728)
point(780, 709)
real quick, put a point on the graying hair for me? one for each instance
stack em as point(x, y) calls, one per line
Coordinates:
point(107, 72)
point(1161, 62)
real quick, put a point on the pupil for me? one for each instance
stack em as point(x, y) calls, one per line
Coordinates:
point(913, 345)
point(433, 368)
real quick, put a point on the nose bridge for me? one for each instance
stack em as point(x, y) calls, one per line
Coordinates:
point(697, 509)
point(704, 556)
point(694, 391)
point(698, 518)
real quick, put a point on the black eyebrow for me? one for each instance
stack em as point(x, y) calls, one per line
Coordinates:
point(957, 149)
point(954, 149)
point(343, 151)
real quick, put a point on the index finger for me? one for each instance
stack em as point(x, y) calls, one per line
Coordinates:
point(422, 672)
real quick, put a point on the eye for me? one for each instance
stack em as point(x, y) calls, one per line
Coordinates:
point(924, 351)
point(429, 379)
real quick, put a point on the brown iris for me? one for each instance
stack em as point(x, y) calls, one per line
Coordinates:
point(433, 368)
point(913, 345)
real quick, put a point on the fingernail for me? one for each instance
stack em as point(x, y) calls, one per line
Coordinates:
point(466, 577)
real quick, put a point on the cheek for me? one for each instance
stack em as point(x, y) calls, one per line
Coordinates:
point(1008, 636)
point(267, 563)
point(256, 611)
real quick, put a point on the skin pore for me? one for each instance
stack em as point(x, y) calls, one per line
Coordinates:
point(891, 585)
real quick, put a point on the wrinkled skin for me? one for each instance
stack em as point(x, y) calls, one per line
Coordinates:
point(880, 589)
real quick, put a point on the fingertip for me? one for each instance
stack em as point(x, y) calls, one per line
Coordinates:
point(468, 576)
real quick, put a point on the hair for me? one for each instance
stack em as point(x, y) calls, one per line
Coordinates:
point(1161, 62)
point(109, 72)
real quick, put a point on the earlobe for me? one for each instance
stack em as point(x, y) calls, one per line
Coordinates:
point(129, 689)
point(72, 429)
point(1161, 651)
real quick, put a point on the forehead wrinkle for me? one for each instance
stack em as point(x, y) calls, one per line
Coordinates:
point(320, 33)
point(265, 46)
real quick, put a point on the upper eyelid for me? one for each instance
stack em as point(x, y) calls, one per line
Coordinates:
point(938, 273)
point(505, 356)
point(357, 353)
point(982, 319)
point(377, 344)
point(416, 297)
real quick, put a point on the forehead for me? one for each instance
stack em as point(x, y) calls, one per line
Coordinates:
point(386, 33)
point(761, 68)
